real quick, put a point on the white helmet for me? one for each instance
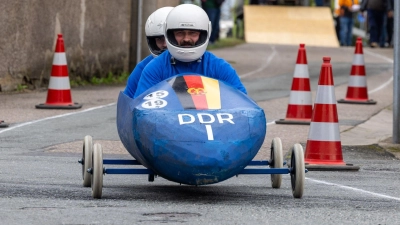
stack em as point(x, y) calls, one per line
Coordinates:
point(187, 17)
point(154, 29)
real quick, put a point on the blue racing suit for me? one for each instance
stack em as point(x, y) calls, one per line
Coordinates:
point(133, 79)
point(164, 66)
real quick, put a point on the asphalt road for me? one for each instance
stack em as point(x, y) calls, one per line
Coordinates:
point(42, 187)
point(40, 178)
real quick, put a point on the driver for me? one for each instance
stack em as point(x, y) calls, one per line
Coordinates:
point(156, 43)
point(187, 31)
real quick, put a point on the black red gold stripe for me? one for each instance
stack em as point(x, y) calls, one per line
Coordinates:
point(197, 92)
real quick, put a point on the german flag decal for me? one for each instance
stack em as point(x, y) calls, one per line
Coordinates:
point(197, 92)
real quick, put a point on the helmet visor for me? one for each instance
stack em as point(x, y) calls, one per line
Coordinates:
point(193, 38)
point(152, 42)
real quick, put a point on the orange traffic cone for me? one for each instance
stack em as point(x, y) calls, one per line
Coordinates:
point(357, 92)
point(59, 92)
point(3, 124)
point(324, 149)
point(299, 110)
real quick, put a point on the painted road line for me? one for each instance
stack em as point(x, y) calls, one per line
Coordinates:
point(263, 66)
point(54, 117)
point(387, 59)
point(354, 189)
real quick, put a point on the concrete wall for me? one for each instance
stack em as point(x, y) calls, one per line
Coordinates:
point(99, 35)
point(148, 7)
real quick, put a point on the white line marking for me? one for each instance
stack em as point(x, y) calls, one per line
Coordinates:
point(54, 117)
point(379, 56)
point(269, 60)
point(382, 86)
point(351, 188)
point(354, 189)
point(210, 134)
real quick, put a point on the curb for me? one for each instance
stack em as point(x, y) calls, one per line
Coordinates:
point(390, 148)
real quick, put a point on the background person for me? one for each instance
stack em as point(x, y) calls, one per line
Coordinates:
point(390, 22)
point(319, 3)
point(213, 10)
point(346, 10)
point(156, 43)
point(376, 10)
point(187, 32)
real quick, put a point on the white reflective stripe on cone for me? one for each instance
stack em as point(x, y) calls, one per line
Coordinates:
point(320, 131)
point(358, 60)
point(301, 71)
point(59, 83)
point(300, 98)
point(325, 94)
point(59, 59)
point(357, 81)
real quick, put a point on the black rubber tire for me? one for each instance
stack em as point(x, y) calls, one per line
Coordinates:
point(87, 160)
point(97, 176)
point(276, 158)
point(297, 175)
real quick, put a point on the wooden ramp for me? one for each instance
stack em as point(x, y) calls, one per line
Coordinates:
point(287, 25)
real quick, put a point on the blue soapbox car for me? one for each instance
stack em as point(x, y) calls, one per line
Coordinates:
point(192, 130)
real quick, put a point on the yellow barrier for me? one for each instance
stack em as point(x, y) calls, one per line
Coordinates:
point(288, 25)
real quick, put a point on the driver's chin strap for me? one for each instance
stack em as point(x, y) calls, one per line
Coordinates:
point(173, 61)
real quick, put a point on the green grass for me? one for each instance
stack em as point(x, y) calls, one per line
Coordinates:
point(21, 87)
point(109, 79)
point(394, 149)
point(225, 43)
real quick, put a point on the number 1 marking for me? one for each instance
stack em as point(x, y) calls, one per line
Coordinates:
point(209, 133)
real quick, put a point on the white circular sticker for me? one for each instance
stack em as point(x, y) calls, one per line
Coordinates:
point(157, 94)
point(154, 103)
